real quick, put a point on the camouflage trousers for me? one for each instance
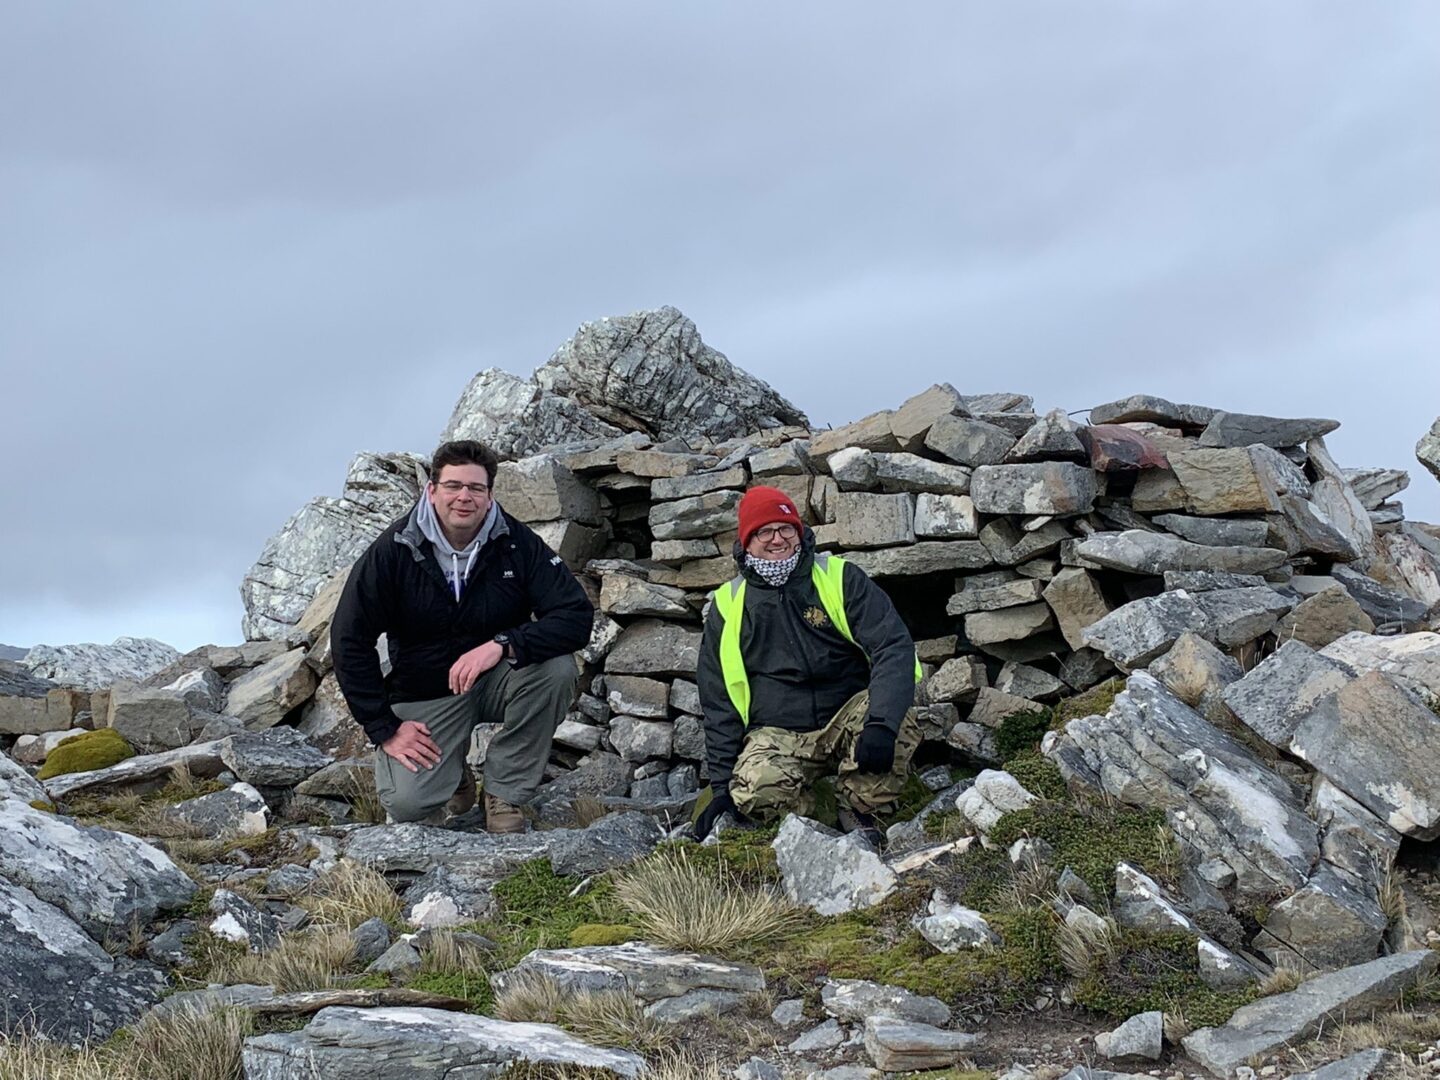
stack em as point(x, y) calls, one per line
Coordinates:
point(777, 769)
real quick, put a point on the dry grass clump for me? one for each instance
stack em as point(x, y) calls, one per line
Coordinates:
point(315, 960)
point(668, 1066)
point(1279, 981)
point(1084, 947)
point(446, 954)
point(364, 801)
point(185, 1045)
point(350, 893)
point(684, 906)
point(603, 1017)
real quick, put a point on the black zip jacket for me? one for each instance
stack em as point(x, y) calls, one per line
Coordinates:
point(801, 668)
point(398, 589)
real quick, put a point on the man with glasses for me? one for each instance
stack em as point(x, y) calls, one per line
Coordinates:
point(480, 620)
point(806, 671)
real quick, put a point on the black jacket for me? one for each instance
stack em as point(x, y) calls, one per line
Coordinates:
point(397, 589)
point(801, 668)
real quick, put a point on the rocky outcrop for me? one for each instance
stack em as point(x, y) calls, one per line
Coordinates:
point(93, 667)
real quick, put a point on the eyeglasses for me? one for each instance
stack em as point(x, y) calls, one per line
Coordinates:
point(767, 533)
point(454, 487)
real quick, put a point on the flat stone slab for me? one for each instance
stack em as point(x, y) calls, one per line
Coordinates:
point(898, 1045)
point(1050, 487)
point(647, 971)
point(852, 1000)
point(1279, 692)
point(343, 1043)
point(1138, 552)
point(924, 557)
point(1264, 1026)
point(1355, 1067)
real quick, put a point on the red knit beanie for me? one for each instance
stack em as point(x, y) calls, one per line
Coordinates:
point(762, 506)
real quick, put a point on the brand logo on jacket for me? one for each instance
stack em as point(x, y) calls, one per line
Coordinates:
point(816, 617)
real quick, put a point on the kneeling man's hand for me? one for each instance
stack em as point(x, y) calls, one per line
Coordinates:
point(720, 802)
point(875, 749)
point(473, 664)
point(412, 746)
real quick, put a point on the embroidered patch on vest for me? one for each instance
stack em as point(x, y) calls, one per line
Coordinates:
point(816, 617)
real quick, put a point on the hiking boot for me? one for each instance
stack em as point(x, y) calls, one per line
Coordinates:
point(857, 821)
point(463, 800)
point(501, 817)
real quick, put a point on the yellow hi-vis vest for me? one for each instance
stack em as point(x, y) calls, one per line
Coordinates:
point(828, 574)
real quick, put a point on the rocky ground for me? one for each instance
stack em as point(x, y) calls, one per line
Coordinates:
point(1175, 812)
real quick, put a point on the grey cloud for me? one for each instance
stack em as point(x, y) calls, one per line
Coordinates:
point(238, 244)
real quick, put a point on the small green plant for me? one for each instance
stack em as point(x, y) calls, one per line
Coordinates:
point(1156, 971)
point(1022, 731)
point(1091, 840)
point(602, 934)
point(1037, 774)
point(1093, 702)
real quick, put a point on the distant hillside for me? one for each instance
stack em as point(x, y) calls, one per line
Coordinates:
point(12, 652)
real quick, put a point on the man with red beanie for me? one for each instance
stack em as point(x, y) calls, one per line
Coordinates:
point(805, 671)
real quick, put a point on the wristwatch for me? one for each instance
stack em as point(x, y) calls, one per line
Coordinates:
point(507, 648)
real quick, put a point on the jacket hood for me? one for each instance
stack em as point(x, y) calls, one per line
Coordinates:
point(423, 525)
point(802, 568)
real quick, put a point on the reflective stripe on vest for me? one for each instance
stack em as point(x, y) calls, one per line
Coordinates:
point(828, 574)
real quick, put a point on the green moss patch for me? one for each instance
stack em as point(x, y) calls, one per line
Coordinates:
point(538, 912)
point(84, 753)
point(1091, 843)
point(1037, 774)
point(602, 934)
point(472, 988)
point(1150, 971)
point(1022, 731)
point(44, 805)
point(1093, 702)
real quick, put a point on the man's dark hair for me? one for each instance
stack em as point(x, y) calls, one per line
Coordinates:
point(464, 452)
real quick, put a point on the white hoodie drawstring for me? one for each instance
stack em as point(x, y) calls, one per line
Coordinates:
point(455, 568)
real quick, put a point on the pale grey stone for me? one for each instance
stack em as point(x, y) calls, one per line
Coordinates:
point(909, 472)
point(1155, 410)
point(576, 544)
point(1373, 486)
point(152, 720)
point(1279, 692)
point(101, 879)
point(957, 679)
point(825, 1036)
point(1007, 624)
point(852, 1000)
point(1355, 1067)
point(401, 958)
point(1010, 546)
point(946, 517)
point(322, 537)
point(1198, 673)
point(57, 981)
point(1354, 839)
point(640, 740)
point(577, 736)
point(277, 757)
point(1427, 450)
point(1051, 487)
point(236, 919)
point(604, 632)
point(1198, 581)
point(614, 840)
point(699, 483)
point(1271, 1023)
point(647, 971)
point(993, 794)
point(1377, 742)
point(1215, 532)
point(828, 872)
point(757, 1069)
point(953, 927)
point(1386, 606)
point(1153, 751)
point(341, 779)
point(788, 459)
point(925, 557)
point(869, 433)
point(1051, 438)
point(1245, 429)
point(1075, 598)
point(1028, 681)
point(1413, 660)
point(94, 667)
point(264, 696)
point(343, 1043)
point(540, 488)
point(853, 469)
point(868, 521)
point(911, 422)
point(1141, 1038)
point(638, 696)
point(624, 595)
point(652, 647)
point(689, 738)
point(966, 441)
point(1137, 552)
point(976, 742)
point(679, 551)
point(900, 1045)
point(977, 597)
point(1329, 923)
point(1141, 903)
point(200, 687)
point(695, 517)
point(327, 725)
point(239, 810)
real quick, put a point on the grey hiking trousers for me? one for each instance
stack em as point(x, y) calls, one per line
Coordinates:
point(529, 701)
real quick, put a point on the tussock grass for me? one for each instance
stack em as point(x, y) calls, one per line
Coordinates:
point(603, 1017)
point(1279, 981)
point(364, 801)
point(348, 894)
point(449, 955)
point(684, 906)
point(1085, 948)
point(315, 960)
point(185, 1045)
point(587, 810)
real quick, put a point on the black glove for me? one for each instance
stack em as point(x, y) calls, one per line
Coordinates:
point(875, 748)
point(720, 802)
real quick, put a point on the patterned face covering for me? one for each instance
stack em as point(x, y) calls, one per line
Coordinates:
point(776, 571)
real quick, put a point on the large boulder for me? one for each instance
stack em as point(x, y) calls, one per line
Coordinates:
point(94, 667)
point(322, 537)
point(829, 872)
point(648, 372)
point(1427, 450)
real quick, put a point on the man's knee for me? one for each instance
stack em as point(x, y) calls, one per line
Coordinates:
point(556, 677)
point(406, 806)
point(764, 788)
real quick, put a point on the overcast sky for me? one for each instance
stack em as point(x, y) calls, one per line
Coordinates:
point(240, 242)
